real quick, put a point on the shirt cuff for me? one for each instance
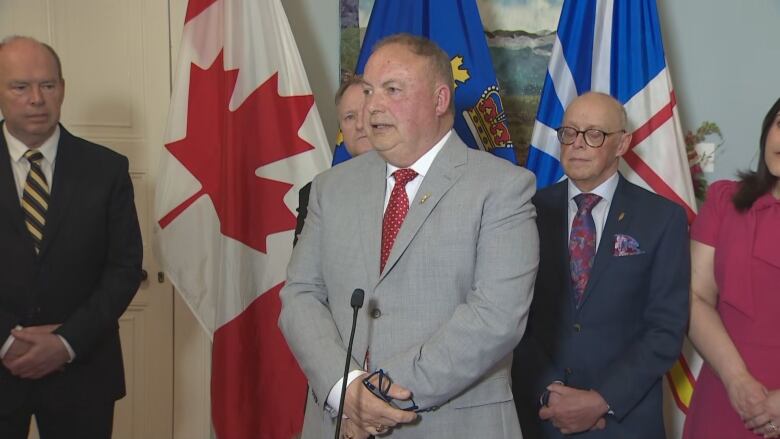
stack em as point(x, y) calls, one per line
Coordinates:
point(334, 396)
point(7, 345)
point(10, 341)
point(71, 352)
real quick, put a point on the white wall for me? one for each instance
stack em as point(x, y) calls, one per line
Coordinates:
point(724, 57)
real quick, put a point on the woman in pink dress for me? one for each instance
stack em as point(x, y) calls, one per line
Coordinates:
point(735, 301)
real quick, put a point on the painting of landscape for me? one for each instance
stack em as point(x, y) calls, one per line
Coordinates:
point(520, 35)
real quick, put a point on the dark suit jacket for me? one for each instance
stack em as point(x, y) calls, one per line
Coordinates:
point(628, 331)
point(86, 274)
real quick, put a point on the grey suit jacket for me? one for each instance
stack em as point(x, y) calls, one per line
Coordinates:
point(449, 307)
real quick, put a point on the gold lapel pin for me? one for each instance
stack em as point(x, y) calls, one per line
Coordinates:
point(424, 198)
point(621, 216)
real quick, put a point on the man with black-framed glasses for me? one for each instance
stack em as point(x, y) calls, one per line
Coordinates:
point(610, 303)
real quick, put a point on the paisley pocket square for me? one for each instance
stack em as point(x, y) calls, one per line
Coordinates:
point(626, 245)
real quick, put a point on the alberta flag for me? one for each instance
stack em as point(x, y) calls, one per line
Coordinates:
point(456, 27)
point(615, 47)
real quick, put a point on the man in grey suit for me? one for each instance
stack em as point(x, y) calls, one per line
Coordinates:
point(448, 284)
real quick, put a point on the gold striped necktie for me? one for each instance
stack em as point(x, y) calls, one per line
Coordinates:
point(35, 198)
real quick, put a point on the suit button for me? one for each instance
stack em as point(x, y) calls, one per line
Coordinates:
point(568, 371)
point(577, 327)
point(376, 313)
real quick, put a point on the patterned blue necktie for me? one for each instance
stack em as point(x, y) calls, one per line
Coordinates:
point(582, 244)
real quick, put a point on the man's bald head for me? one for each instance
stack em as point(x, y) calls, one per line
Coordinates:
point(598, 116)
point(52, 52)
point(615, 110)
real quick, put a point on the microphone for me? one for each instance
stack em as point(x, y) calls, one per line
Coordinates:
point(356, 303)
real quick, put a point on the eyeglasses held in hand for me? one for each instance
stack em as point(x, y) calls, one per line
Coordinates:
point(382, 387)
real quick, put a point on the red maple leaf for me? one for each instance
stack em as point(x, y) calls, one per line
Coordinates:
point(223, 149)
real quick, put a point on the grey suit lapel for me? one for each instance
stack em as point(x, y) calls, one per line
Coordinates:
point(371, 199)
point(618, 218)
point(443, 173)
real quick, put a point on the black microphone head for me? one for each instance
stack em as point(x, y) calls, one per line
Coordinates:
point(357, 298)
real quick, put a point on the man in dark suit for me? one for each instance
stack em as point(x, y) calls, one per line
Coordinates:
point(610, 304)
point(71, 258)
point(349, 107)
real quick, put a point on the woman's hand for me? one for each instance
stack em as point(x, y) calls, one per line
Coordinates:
point(767, 423)
point(746, 395)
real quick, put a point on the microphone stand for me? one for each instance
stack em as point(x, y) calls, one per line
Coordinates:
point(356, 302)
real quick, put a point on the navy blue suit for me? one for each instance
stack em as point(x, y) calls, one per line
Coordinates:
point(630, 327)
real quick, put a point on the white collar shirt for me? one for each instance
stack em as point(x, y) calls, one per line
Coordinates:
point(421, 166)
point(21, 166)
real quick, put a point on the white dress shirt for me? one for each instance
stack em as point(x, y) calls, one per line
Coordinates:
point(21, 166)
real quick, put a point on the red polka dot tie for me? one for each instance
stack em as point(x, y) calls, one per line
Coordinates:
point(395, 212)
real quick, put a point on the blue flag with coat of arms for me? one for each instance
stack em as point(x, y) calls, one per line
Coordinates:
point(455, 25)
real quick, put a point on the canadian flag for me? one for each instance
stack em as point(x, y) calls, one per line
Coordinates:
point(243, 136)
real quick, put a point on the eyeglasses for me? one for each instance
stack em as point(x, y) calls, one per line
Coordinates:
point(383, 386)
point(593, 137)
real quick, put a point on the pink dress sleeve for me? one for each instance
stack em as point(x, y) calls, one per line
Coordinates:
point(707, 223)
